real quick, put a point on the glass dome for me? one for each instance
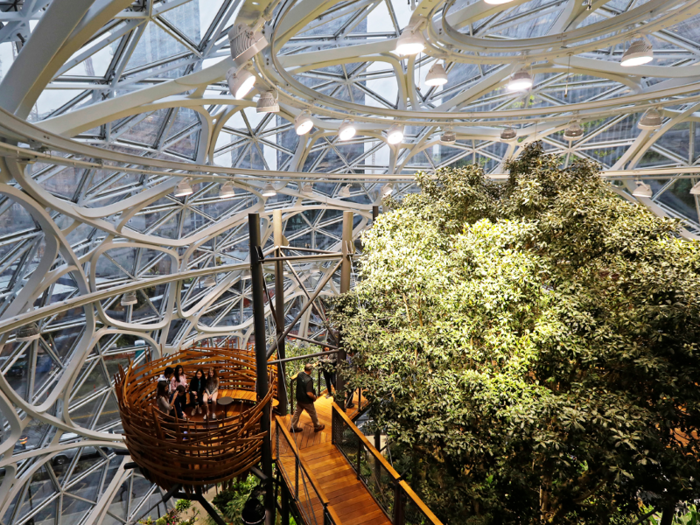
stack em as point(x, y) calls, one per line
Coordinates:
point(129, 169)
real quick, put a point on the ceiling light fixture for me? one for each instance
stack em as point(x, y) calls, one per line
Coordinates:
point(695, 190)
point(520, 81)
point(183, 189)
point(640, 52)
point(347, 130)
point(303, 123)
point(448, 137)
point(574, 131)
point(226, 190)
point(642, 190)
point(267, 103)
point(129, 299)
point(651, 119)
point(241, 38)
point(307, 189)
point(437, 76)
point(28, 332)
point(508, 135)
point(395, 134)
point(209, 281)
point(387, 190)
point(240, 82)
point(410, 42)
point(269, 190)
point(344, 191)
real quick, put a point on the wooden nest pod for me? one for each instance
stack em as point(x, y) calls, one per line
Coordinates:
point(171, 451)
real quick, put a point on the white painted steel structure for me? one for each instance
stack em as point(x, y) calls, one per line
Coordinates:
point(107, 105)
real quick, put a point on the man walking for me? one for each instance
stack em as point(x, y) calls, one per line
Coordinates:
point(305, 399)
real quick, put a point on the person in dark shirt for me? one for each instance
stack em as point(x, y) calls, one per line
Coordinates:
point(328, 363)
point(180, 402)
point(197, 391)
point(305, 399)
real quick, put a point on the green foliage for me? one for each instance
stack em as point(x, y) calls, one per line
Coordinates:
point(174, 516)
point(230, 502)
point(182, 505)
point(530, 347)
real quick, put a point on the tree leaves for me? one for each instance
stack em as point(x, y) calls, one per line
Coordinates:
point(509, 334)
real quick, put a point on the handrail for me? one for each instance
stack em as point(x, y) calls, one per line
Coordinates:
point(300, 461)
point(401, 489)
point(419, 502)
point(377, 455)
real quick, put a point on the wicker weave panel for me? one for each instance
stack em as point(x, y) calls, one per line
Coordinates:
point(171, 451)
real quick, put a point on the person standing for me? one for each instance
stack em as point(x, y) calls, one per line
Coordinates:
point(305, 399)
point(328, 364)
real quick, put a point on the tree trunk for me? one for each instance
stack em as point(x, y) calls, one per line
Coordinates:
point(669, 511)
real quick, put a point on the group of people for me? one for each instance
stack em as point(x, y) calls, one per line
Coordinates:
point(174, 389)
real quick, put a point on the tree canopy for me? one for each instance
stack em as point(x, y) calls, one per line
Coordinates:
point(531, 347)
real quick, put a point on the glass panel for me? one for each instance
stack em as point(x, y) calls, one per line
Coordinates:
point(413, 515)
point(379, 482)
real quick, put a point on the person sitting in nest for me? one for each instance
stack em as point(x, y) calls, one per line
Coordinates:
point(211, 392)
point(179, 378)
point(163, 399)
point(197, 391)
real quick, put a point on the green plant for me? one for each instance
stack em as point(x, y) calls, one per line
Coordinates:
point(230, 502)
point(530, 347)
point(182, 505)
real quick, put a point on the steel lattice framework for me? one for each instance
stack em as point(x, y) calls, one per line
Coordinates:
point(106, 105)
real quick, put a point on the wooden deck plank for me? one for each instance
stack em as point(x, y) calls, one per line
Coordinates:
point(347, 496)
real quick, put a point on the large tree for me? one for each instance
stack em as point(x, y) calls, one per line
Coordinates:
point(530, 347)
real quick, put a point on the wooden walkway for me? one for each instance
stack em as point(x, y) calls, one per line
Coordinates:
point(349, 500)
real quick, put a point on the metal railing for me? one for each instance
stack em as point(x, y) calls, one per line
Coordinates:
point(303, 487)
point(396, 498)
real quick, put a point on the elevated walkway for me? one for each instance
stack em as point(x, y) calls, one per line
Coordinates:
point(336, 477)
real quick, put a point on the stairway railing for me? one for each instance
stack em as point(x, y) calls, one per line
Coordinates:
point(392, 494)
point(303, 486)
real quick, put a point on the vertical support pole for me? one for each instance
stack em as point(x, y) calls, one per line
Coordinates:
point(398, 504)
point(284, 511)
point(279, 310)
point(359, 457)
point(378, 446)
point(375, 213)
point(256, 273)
point(345, 271)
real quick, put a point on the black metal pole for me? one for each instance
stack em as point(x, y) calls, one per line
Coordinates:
point(279, 311)
point(375, 213)
point(284, 513)
point(345, 273)
point(256, 273)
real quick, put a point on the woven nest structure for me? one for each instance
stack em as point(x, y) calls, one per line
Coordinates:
point(170, 451)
